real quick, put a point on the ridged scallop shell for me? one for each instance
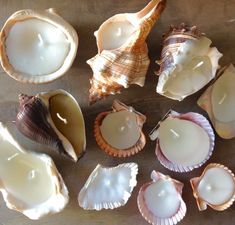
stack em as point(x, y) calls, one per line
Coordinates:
point(192, 117)
point(201, 203)
point(179, 45)
point(108, 187)
point(120, 67)
point(35, 121)
point(145, 211)
point(117, 107)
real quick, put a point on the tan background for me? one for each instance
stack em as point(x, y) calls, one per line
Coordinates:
point(212, 16)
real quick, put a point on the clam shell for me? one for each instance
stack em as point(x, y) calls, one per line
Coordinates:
point(201, 203)
point(118, 106)
point(120, 67)
point(49, 16)
point(145, 211)
point(105, 190)
point(35, 121)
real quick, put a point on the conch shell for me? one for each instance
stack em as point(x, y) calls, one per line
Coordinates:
point(122, 57)
point(55, 119)
point(187, 62)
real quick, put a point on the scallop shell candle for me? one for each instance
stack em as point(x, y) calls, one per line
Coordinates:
point(160, 201)
point(215, 187)
point(29, 182)
point(54, 119)
point(122, 57)
point(119, 132)
point(184, 141)
point(187, 62)
point(30, 42)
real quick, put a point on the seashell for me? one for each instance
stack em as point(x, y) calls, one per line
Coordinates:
point(54, 119)
point(122, 57)
point(108, 188)
point(196, 139)
point(119, 132)
point(187, 62)
point(160, 201)
point(218, 102)
point(22, 41)
point(215, 188)
point(29, 182)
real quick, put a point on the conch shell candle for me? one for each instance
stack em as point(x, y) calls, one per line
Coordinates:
point(160, 201)
point(108, 188)
point(55, 119)
point(119, 132)
point(30, 41)
point(215, 187)
point(122, 57)
point(187, 62)
point(29, 182)
point(218, 101)
point(184, 141)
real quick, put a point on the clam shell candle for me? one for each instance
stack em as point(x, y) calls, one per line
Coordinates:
point(160, 201)
point(187, 62)
point(122, 57)
point(119, 132)
point(30, 41)
point(215, 187)
point(184, 141)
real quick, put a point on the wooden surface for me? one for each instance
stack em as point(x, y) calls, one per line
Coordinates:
point(214, 17)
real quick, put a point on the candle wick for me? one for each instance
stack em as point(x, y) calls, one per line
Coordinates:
point(222, 99)
point(41, 42)
point(175, 133)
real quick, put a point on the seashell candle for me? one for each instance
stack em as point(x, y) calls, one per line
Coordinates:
point(215, 187)
point(108, 188)
point(119, 132)
point(29, 182)
point(55, 119)
point(184, 141)
point(160, 201)
point(122, 57)
point(30, 42)
point(187, 62)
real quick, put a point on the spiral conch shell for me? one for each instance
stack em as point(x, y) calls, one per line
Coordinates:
point(187, 62)
point(122, 57)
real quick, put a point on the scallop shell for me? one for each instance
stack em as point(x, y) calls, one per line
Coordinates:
point(36, 121)
point(108, 188)
point(195, 118)
point(183, 48)
point(14, 198)
point(51, 17)
point(117, 107)
point(225, 129)
point(146, 212)
point(201, 203)
point(127, 64)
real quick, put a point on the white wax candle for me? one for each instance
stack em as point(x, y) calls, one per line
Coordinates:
point(162, 199)
point(120, 129)
point(183, 142)
point(36, 47)
point(216, 186)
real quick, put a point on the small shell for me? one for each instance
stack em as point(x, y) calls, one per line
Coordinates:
point(194, 118)
point(218, 102)
point(187, 62)
point(202, 203)
point(48, 16)
point(140, 119)
point(108, 188)
point(44, 118)
point(122, 64)
point(145, 209)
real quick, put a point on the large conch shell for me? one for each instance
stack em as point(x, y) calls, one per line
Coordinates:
point(122, 57)
point(55, 119)
point(187, 62)
point(29, 182)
